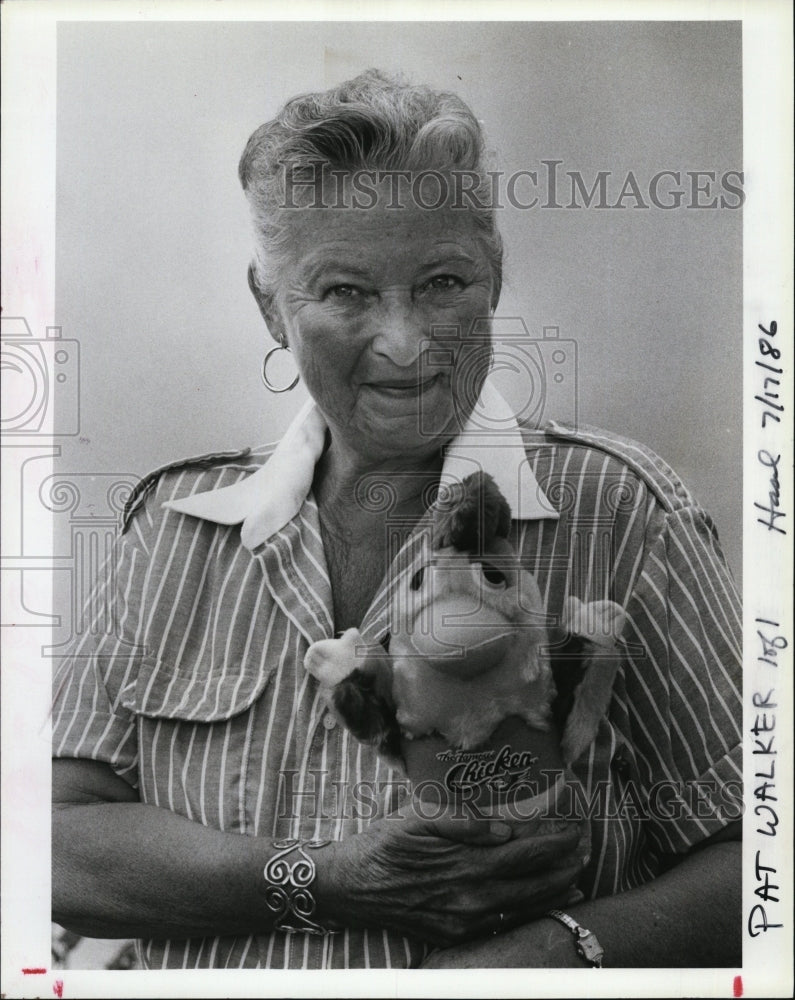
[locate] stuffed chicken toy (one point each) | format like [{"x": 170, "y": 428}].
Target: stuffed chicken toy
[{"x": 475, "y": 689}]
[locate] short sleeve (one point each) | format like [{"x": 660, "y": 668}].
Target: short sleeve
[
  {"x": 683, "y": 682},
  {"x": 87, "y": 717}
]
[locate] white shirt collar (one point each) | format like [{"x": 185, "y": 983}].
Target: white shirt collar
[{"x": 266, "y": 500}]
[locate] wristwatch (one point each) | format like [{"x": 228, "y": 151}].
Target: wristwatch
[{"x": 588, "y": 948}]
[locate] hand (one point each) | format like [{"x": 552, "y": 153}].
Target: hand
[
  {"x": 446, "y": 880},
  {"x": 540, "y": 944}
]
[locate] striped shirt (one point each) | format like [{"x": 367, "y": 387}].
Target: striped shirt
[{"x": 198, "y": 698}]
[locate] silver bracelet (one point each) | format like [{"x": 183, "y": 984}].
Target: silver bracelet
[
  {"x": 588, "y": 948},
  {"x": 288, "y": 887}
]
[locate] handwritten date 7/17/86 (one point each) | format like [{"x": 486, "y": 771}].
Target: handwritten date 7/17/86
[
  {"x": 769, "y": 361},
  {"x": 771, "y": 407}
]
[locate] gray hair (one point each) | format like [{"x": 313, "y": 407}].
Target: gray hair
[{"x": 373, "y": 122}]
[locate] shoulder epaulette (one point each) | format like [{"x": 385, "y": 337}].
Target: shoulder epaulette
[
  {"x": 656, "y": 474},
  {"x": 146, "y": 484}
]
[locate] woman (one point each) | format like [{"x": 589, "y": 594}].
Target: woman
[{"x": 205, "y": 800}]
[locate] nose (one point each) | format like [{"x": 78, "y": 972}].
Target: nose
[{"x": 400, "y": 329}]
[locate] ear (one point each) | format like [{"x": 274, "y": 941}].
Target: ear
[
  {"x": 356, "y": 680},
  {"x": 365, "y": 704},
  {"x": 600, "y": 621},
  {"x": 594, "y": 630},
  {"x": 591, "y": 700},
  {"x": 332, "y": 660},
  {"x": 268, "y": 309}
]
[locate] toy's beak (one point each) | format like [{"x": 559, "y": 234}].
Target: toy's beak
[{"x": 460, "y": 649}]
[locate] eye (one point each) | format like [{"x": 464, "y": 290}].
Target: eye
[
  {"x": 416, "y": 580},
  {"x": 342, "y": 291},
  {"x": 493, "y": 575},
  {"x": 443, "y": 283}
]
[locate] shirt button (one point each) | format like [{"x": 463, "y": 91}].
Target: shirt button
[
  {"x": 622, "y": 763},
  {"x": 329, "y": 721}
]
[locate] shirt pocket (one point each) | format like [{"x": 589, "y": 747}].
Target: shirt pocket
[
  {"x": 195, "y": 730},
  {"x": 209, "y": 690}
]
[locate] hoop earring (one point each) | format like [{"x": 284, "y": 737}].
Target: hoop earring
[{"x": 264, "y": 373}]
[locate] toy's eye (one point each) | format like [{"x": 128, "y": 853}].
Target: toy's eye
[
  {"x": 493, "y": 575},
  {"x": 416, "y": 580}
]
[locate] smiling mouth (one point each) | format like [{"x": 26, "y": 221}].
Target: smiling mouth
[{"x": 405, "y": 388}]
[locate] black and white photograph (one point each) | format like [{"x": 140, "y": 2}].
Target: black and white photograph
[{"x": 397, "y": 478}]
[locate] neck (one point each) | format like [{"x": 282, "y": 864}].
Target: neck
[{"x": 353, "y": 490}]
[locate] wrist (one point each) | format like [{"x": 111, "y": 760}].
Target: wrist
[
  {"x": 289, "y": 886},
  {"x": 330, "y": 882}
]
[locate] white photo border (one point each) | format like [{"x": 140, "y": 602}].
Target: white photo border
[{"x": 28, "y": 272}]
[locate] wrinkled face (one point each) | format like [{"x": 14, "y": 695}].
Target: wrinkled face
[{"x": 361, "y": 295}]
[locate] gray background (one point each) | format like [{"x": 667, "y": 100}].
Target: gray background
[{"x": 153, "y": 238}]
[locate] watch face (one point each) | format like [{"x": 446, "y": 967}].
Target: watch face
[
  {"x": 586, "y": 943},
  {"x": 588, "y": 947}
]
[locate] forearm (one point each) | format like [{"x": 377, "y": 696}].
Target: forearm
[
  {"x": 123, "y": 868},
  {"x": 133, "y": 870},
  {"x": 690, "y": 916}
]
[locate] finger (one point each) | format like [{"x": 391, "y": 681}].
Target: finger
[
  {"x": 557, "y": 897},
  {"x": 517, "y": 858},
  {"x": 495, "y": 905},
  {"x": 465, "y": 828},
  {"x": 499, "y": 906}
]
